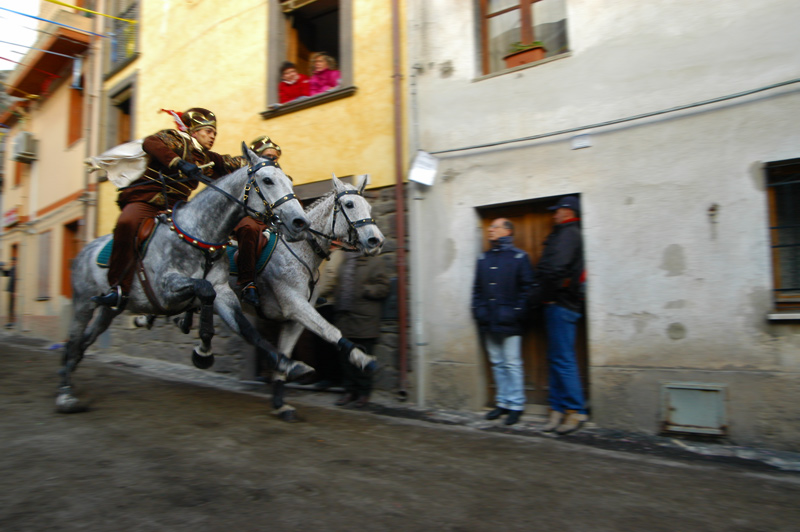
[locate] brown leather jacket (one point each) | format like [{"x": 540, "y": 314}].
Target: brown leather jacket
[{"x": 164, "y": 150}]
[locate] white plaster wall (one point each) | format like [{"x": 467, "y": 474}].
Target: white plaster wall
[{"x": 669, "y": 289}]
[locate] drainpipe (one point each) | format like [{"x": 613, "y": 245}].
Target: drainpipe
[{"x": 399, "y": 196}]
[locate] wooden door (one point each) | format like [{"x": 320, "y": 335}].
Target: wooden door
[
  {"x": 71, "y": 246},
  {"x": 532, "y": 223}
]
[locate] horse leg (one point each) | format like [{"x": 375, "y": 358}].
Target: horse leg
[
  {"x": 180, "y": 288},
  {"x": 79, "y": 340},
  {"x": 229, "y": 309},
  {"x": 202, "y": 357},
  {"x": 304, "y": 313},
  {"x": 185, "y": 323},
  {"x": 290, "y": 333}
]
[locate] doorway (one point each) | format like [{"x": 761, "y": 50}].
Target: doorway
[
  {"x": 71, "y": 245},
  {"x": 532, "y": 223}
]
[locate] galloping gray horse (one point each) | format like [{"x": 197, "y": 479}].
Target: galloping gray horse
[
  {"x": 286, "y": 282},
  {"x": 181, "y": 269}
]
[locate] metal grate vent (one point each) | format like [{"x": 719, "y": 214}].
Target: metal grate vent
[{"x": 690, "y": 407}]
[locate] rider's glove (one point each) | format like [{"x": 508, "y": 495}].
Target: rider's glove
[{"x": 189, "y": 169}]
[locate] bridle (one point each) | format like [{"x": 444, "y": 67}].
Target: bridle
[
  {"x": 269, "y": 208},
  {"x": 348, "y": 245},
  {"x": 352, "y": 225}
]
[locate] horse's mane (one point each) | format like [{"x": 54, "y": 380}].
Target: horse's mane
[{"x": 319, "y": 200}]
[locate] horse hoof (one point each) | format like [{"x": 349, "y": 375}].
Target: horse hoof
[
  {"x": 289, "y": 416},
  {"x": 202, "y": 362},
  {"x": 297, "y": 370},
  {"x": 69, "y": 404},
  {"x": 372, "y": 368}
]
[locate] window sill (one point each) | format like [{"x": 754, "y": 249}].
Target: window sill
[
  {"x": 317, "y": 99},
  {"x": 784, "y": 316},
  {"x": 523, "y": 67}
]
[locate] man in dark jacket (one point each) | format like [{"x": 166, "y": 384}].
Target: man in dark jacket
[
  {"x": 362, "y": 285},
  {"x": 503, "y": 281},
  {"x": 560, "y": 281}
]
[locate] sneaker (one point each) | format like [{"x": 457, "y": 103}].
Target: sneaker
[
  {"x": 573, "y": 421},
  {"x": 250, "y": 295},
  {"x": 554, "y": 421},
  {"x": 496, "y": 413},
  {"x": 513, "y": 417}
]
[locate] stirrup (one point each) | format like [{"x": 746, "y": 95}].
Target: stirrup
[
  {"x": 250, "y": 295},
  {"x": 114, "y": 299}
]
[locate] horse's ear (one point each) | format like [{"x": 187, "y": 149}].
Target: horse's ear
[
  {"x": 249, "y": 154},
  {"x": 363, "y": 184},
  {"x": 337, "y": 184}
]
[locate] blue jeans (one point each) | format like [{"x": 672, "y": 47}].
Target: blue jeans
[
  {"x": 566, "y": 391},
  {"x": 506, "y": 358}
]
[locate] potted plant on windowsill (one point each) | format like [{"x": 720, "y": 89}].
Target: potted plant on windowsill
[{"x": 520, "y": 53}]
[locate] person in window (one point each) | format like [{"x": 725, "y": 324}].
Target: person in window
[
  {"x": 293, "y": 84},
  {"x": 324, "y": 75},
  {"x": 177, "y": 154},
  {"x": 249, "y": 232}
]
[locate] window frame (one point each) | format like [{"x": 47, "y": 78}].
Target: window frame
[
  {"x": 526, "y": 31},
  {"x": 128, "y": 9},
  {"x": 772, "y": 182},
  {"x": 277, "y": 53}
]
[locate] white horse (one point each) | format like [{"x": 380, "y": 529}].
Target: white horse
[
  {"x": 181, "y": 270},
  {"x": 286, "y": 283}
]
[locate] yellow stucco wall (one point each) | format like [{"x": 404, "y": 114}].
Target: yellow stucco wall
[
  {"x": 214, "y": 55},
  {"x": 56, "y": 176}
]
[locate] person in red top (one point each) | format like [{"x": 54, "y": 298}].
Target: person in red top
[
  {"x": 177, "y": 155},
  {"x": 293, "y": 84}
]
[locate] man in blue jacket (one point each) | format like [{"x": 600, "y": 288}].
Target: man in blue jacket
[{"x": 503, "y": 282}]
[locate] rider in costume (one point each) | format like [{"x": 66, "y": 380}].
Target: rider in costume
[
  {"x": 249, "y": 230},
  {"x": 177, "y": 156}
]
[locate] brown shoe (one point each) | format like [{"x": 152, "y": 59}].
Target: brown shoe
[
  {"x": 346, "y": 399},
  {"x": 553, "y": 421},
  {"x": 572, "y": 422},
  {"x": 362, "y": 401}
]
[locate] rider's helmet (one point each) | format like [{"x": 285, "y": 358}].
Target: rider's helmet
[
  {"x": 198, "y": 118},
  {"x": 264, "y": 143}
]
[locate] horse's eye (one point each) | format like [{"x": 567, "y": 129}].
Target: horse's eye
[
  {"x": 267, "y": 181},
  {"x": 348, "y": 204}
]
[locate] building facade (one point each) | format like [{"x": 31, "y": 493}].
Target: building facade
[
  {"x": 47, "y": 195},
  {"x": 681, "y": 141}
]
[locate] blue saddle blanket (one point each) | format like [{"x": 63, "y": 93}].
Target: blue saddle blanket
[
  {"x": 263, "y": 257},
  {"x": 104, "y": 257}
]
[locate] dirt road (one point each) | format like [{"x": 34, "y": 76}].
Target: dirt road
[{"x": 154, "y": 455}]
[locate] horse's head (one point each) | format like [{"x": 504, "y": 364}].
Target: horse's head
[
  {"x": 269, "y": 191},
  {"x": 356, "y": 225}
]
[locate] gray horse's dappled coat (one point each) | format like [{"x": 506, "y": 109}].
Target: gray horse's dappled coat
[{"x": 177, "y": 270}]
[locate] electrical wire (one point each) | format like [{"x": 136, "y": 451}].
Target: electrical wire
[
  {"x": 40, "y": 50},
  {"x": 90, "y": 11},
  {"x": 623, "y": 120},
  {"x": 53, "y": 22}
]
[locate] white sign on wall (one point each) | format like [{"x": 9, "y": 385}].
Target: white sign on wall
[{"x": 424, "y": 168}]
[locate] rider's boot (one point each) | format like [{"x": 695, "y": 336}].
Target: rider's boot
[
  {"x": 115, "y": 298},
  {"x": 250, "y": 295}
]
